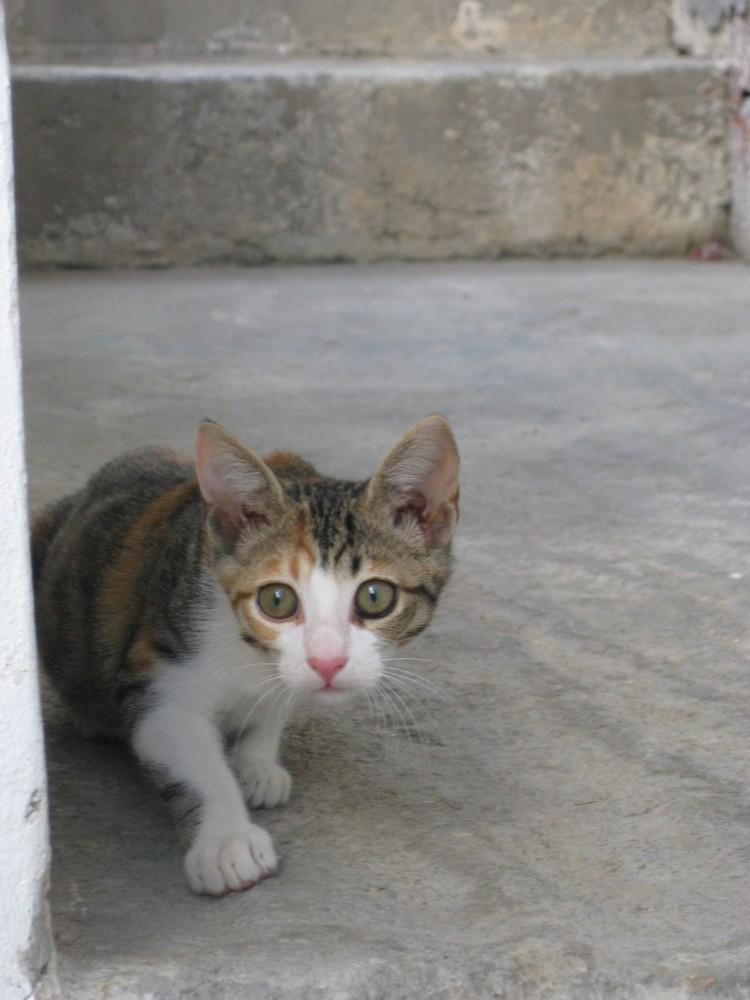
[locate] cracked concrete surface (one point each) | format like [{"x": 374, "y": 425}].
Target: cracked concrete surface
[{"x": 562, "y": 811}]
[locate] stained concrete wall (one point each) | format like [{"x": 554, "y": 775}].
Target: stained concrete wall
[
  {"x": 357, "y": 27},
  {"x": 24, "y": 853},
  {"x": 183, "y": 164}
]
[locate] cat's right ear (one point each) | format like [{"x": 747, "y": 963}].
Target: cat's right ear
[
  {"x": 417, "y": 482},
  {"x": 239, "y": 490}
]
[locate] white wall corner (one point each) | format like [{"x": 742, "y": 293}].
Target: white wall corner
[{"x": 26, "y": 952}]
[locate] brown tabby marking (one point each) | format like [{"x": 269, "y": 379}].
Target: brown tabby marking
[{"x": 119, "y": 613}]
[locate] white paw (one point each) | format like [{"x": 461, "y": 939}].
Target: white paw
[
  {"x": 264, "y": 782},
  {"x": 221, "y": 863}
]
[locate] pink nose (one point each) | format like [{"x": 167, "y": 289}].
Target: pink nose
[{"x": 327, "y": 668}]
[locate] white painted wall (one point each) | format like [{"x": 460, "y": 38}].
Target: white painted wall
[{"x": 24, "y": 841}]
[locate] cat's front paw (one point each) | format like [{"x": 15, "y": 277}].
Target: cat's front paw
[
  {"x": 264, "y": 782},
  {"x": 230, "y": 862}
]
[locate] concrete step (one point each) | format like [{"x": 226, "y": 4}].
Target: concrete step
[
  {"x": 66, "y": 28},
  {"x": 161, "y": 163}
]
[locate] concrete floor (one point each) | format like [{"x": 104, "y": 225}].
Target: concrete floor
[{"x": 566, "y": 816}]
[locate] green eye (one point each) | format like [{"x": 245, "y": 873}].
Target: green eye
[
  {"x": 375, "y": 598},
  {"x": 277, "y": 601}
]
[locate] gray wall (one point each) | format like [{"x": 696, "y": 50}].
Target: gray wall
[{"x": 541, "y": 27}]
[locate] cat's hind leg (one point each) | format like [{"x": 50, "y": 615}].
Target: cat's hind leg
[{"x": 184, "y": 750}]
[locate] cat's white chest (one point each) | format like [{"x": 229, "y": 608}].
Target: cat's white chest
[{"x": 224, "y": 679}]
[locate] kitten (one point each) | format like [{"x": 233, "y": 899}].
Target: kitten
[{"x": 189, "y": 608}]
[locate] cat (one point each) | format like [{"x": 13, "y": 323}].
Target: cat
[{"x": 188, "y": 608}]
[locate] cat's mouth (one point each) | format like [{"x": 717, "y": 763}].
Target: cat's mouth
[
  {"x": 329, "y": 689},
  {"x": 331, "y": 694}
]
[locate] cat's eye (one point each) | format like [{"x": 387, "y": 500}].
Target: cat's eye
[
  {"x": 375, "y": 598},
  {"x": 278, "y": 601}
]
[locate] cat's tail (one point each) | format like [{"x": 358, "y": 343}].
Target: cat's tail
[{"x": 44, "y": 527}]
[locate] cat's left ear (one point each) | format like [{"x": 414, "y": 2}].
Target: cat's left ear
[
  {"x": 418, "y": 481},
  {"x": 238, "y": 488}
]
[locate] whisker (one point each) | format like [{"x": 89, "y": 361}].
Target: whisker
[
  {"x": 407, "y": 727},
  {"x": 418, "y": 681},
  {"x": 415, "y": 680},
  {"x": 274, "y": 687},
  {"x": 406, "y": 715},
  {"x": 375, "y": 709},
  {"x": 389, "y": 661},
  {"x": 376, "y": 703},
  {"x": 399, "y": 709},
  {"x": 288, "y": 700},
  {"x": 416, "y": 659}
]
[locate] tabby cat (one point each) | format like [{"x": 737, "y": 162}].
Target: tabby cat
[{"x": 189, "y": 608}]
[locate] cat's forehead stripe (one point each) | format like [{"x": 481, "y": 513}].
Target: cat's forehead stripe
[
  {"x": 332, "y": 524},
  {"x": 302, "y": 544}
]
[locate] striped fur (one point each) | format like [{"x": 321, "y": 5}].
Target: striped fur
[{"x": 149, "y": 585}]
